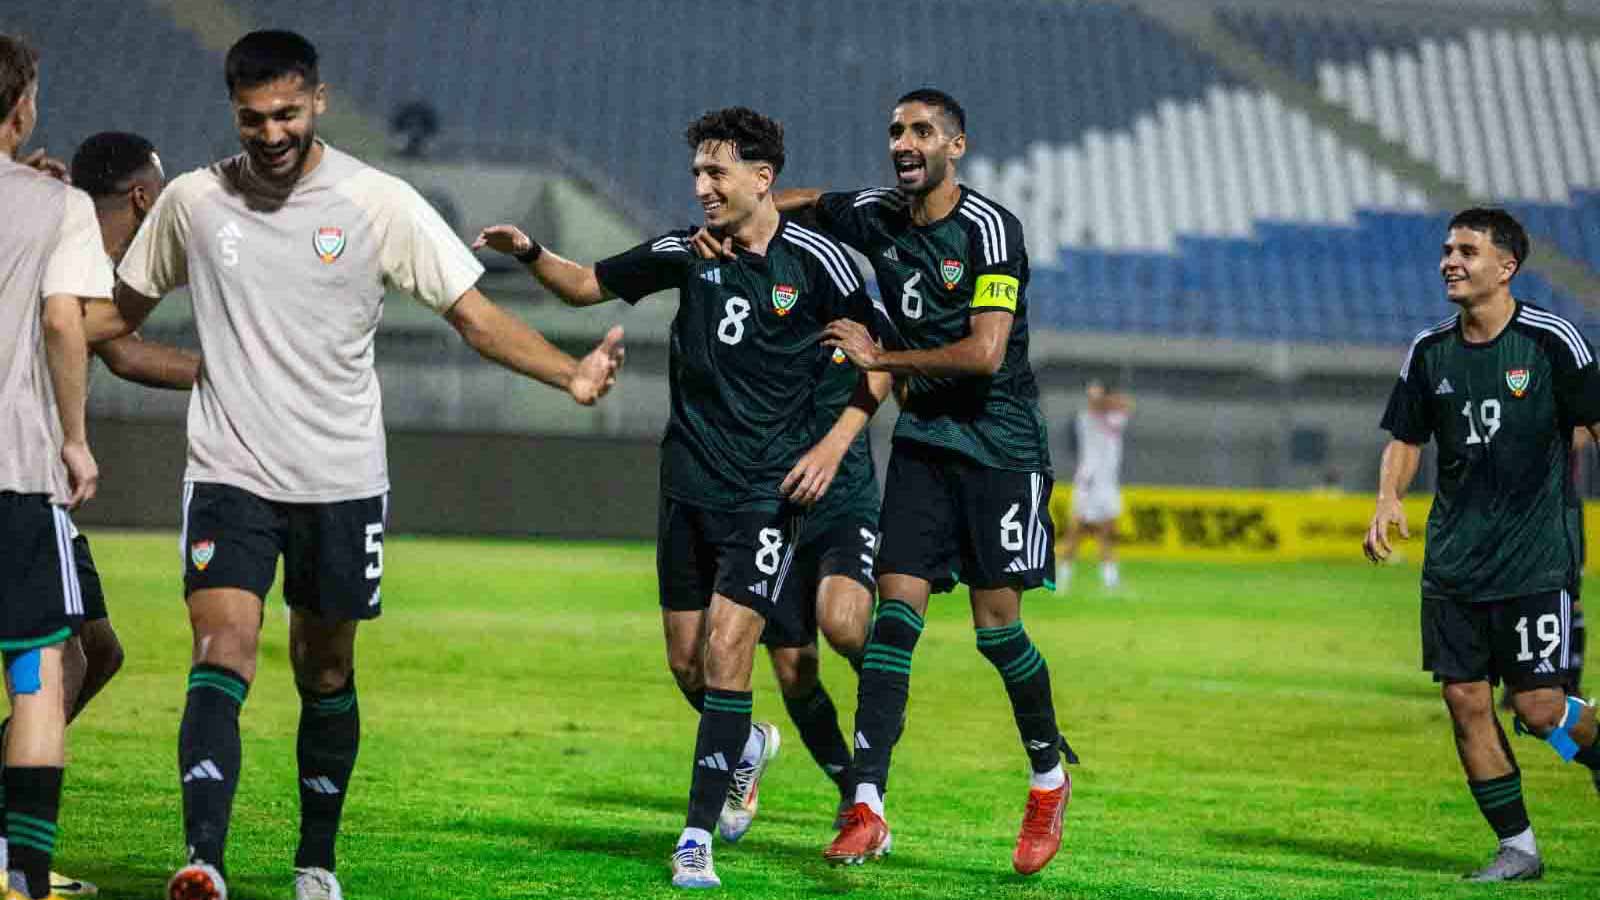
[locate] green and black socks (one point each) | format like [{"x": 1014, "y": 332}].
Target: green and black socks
[
  {"x": 1027, "y": 680},
  {"x": 330, "y": 736},
  {"x": 33, "y": 801},
  {"x": 724, "y": 728},
  {"x": 884, "y": 689},
  {"x": 209, "y": 758}
]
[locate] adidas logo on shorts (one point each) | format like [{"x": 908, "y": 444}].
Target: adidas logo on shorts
[{"x": 1544, "y": 667}]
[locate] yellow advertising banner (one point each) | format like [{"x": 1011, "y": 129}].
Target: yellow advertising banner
[{"x": 1238, "y": 525}]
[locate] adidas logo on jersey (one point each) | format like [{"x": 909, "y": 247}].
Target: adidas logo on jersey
[
  {"x": 1444, "y": 388},
  {"x": 712, "y": 275},
  {"x": 320, "y": 785},
  {"x": 714, "y": 761},
  {"x": 892, "y": 253},
  {"x": 760, "y": 589},
  {"x": 1544, "y": 667},
  {"x": 861, "y": 742},
  {"x": 206, "y": 770}
]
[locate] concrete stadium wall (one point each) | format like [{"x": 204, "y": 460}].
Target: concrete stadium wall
[{"x": 480, "y": 484}]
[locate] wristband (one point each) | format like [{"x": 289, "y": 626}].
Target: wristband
[{"x": 527, "y": 256}]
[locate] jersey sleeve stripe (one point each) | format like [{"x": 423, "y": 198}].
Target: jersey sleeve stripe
[
  {"x": 882, "y": 196},
  {"x": 1563, "y": 329},
  {"x": 1002, "y": 241},
  {"x": 984, "y": 233},
  {"x": 839, "y": 268},
  {"x": 670, "y": 245},
  {"x": 1424, "y": 334}
]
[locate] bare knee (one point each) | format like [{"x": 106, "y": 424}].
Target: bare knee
[
  {"x": 1541, "y": 711},
  {"x": 844, "y": 614},
  {"x": 686, "y": 667},
  {"x": 323, "y": 653},
  {"x": 102, "y": 650},
  {"x": 1470, "y": 703},
  {"x": 796, "y": 669}
]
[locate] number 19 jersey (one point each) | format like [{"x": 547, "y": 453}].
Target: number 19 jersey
[
  {"x": 1506, "y": 520},
  {"x": 745, "y": 358}
]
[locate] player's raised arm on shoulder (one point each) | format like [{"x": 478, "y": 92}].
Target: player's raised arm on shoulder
[
  {"x": 793, "y": 200},
  {"x": 575, "y": 284},
  {"x": 503, "y": 338},
  {"x": 132, "y": 358}
]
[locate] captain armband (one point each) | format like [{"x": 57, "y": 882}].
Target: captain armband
[{"x": 996, "y": 292}]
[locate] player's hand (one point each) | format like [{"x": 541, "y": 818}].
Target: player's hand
[
  {"x": 853, "y": 338},
  {"x": 1389, "y": 514},
  {"x": 49, "y": 165},
  {"x": 83, "y": 475},
  {"x": 708, "y": 246},
  {"x": 507, "y": 239},
  {"x": 597, "y": 372},
  {"x": 811, "y": 477}
]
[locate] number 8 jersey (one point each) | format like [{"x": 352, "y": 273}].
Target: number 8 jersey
[
  {"x": 745, "y": 356},
  {"x": 1506, "y": 520}
]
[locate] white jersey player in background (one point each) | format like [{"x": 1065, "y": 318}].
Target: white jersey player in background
[{"x": 1097, "y": 484}]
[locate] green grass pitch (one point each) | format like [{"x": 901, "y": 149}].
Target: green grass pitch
[{"x": 1246, "y": 731}]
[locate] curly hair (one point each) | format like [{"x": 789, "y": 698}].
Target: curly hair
[{"x": 754, "y": 137}]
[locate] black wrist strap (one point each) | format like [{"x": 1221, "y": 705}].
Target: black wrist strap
[{"x": 527, "y": 256}]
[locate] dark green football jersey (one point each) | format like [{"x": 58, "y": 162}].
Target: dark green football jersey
[
  {"x": 933, "y": 279},
  {"x": 1506, "y": 520},
  {"x": 744, "y": 357},
  {"x": 853, "y": 496}
]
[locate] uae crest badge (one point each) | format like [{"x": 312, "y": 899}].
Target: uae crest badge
[
  {"x": 783, "y": 298},
  {"x": 951, "y": 269},
  {"x": 329, "y": 243},
  {"x": 1517, "y": 380},
  {"x": 200, "y": 553}
]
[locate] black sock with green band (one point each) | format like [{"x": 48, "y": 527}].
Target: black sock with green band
[{"x": 209, "y": 758}]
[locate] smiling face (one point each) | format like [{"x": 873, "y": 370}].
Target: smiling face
[
  {"x": 922, "y": 146},
  {"x": 729, "y": 188},
  {"x": 1473, "y": 267},
  {"x": 277, "y": 124}
]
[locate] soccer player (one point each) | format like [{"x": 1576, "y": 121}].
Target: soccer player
[
  {"x": 50, "y": 262},
  {"x": 286, "y": 249},
  {"x": 1097, "y": 484},
  {"x": 969, "y": 479},
  {"x": 1499, "y": 386},
  {"x": 742, "y": 454}
]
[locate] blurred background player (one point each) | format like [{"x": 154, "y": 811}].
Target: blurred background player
[
  {"x": 51, "y": 261},
  {"x": 287, "y": 248},
  {"x": 1097, "y": 483},
  {"x": 1499, "y": 387},
  {"x": 742, "y": 455}
]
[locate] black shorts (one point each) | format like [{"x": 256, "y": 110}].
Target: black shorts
[
  {"x": 848, "y": 549},
  {"x": 332, "y": 552},
  {"x": 94, "y": 596},
  {"x": 947, "y": 519},
  {"x": 1524, "y": 641},
  {"x": 744, "y": 555},
  {"x": 40, "y": 603}
]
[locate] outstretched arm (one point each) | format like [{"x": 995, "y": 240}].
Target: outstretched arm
[
  {"x": 575, "y": 284},
  {"x": 979, "y": 353},
  {"x": 499, "y": 336},
  {"x": 132, "y": 358},
  {"x": 1395, "y": 474}
]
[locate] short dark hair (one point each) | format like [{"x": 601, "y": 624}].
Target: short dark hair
[
  {"x": 19, "y": 68},
  {"x": 1503, "y": 229},
  {"x": 106, "y": 162},
  {"x": 262, "y": 57},
  {"x": 941, "y": 101},
  {"x": 754, "y": 137}
]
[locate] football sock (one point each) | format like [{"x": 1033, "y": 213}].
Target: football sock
[
  {"x": 330, "y": 736},
  {"x": 696, "y": 698},
  {"x": 698, "y": 835},
  {"x": 884, "y": 688},
  {"x": 724, "y": 729},
  {"x": 868, "y": 794},
  {"x": 1027, "y": 681},
  {"x": 1522, "y": 840},
  {"x": 1500, "y": 801},
  {"x": 33, "y": 799},
  {"x": 209, "y": 758},
  {"x": 818, "y": 722},
  {"x": 1048, "y": 781}
]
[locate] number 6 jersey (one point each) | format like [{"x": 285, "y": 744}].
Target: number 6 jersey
[
  {"x": 1506, "y": 520},
  {"x": 745, "y": 357}
]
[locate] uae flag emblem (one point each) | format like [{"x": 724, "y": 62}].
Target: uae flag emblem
[
  {"x": 329, "y": 243},
  {"x": 783, "y": 298},
  {"x": 1517, "y": 380},
  {"x": 951, "y": 269}
]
